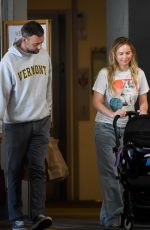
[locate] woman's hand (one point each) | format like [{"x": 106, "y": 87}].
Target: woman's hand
[
  {"x": 120, "y": 112},
  {"x": 142, "y": 112}
]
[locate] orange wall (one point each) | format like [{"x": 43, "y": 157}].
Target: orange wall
[{"x": 96, "y": 37}]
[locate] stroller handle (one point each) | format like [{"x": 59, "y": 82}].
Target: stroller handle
[{"x": 128, "y": 113}]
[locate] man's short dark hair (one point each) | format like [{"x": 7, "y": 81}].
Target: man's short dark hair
[{"x": 32, "y": 28}]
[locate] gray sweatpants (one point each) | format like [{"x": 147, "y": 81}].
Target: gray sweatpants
[
  {"x": 112, "y": 196},
  {"x": 26, "y": 141}
]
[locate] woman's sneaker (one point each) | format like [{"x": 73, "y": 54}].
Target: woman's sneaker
[
  {"x": 41, "y": 222},
  {"x": 19, "y": 225},
  {"x": 116, "y": 222}
]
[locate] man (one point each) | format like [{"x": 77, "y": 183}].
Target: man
[{"x": 25, "y": 109}]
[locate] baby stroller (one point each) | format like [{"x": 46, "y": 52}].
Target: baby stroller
[{"x": 133, "y": 162}]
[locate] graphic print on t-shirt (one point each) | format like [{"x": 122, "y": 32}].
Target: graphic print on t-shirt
[{"x": 123, "y": 94}]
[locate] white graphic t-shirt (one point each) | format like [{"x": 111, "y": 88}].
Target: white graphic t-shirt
[{"x": 123, "y": 95}]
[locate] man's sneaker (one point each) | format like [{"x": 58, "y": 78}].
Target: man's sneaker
[
  {"x": 19, "y": 225},
  {"x": 41, "y": 222}
]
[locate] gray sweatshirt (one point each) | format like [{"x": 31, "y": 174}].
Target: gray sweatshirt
[{"x": 25, "y": 86}]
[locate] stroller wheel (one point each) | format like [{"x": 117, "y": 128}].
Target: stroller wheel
[{"x": 128, "y": 224}]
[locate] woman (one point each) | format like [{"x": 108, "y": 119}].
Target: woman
[{"x": 116, "y": 91}]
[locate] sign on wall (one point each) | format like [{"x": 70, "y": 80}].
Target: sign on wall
[{"x": 12, "y": 32}]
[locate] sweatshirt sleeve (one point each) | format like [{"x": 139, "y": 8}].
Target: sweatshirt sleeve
[
  {"x": 1, "y": 126},
  {"x": 49, "y": 87},
  {"x": 5, "y": 88}
]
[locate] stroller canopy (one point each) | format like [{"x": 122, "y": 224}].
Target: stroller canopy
[{"x": 137, "y": 131}]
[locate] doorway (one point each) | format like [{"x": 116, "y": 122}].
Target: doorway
[{"x": 57, "y": 190}]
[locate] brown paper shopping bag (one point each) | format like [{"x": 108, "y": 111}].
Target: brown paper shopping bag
[{"x": 57, "y": 168}]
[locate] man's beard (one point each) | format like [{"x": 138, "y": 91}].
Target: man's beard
[{"x": 32, "y": 51}]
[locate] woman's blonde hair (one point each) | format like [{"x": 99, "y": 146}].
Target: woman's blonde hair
[{"x": 113, "y": 64}]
